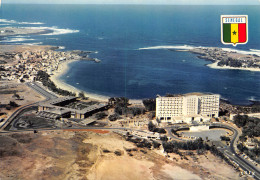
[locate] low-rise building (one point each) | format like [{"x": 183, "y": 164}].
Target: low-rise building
[{"x": 59, "y": 107}]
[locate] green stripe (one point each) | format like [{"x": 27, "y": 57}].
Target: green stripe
[{"x": 227, "y": 33}]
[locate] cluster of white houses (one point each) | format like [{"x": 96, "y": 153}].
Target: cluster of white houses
[
  {"x": 187, "y": 108},
  {"x": 30, "y": 62}
]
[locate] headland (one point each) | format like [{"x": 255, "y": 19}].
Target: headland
[
  {"x": 228, "y": 59},
  {"x": 14, "y": 31}
]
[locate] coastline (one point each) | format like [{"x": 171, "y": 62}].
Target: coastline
[
  {"x": 62, "y": 69},
  {"x": 215, "y": 66}
]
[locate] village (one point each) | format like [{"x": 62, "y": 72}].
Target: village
[{"x": 26, "y": 64}]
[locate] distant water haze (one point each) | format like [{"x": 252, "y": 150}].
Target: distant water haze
[{"x": 133, "y": 41}]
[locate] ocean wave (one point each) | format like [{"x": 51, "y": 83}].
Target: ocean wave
[
  {"x": 53, "y": 38},
  {"x": 16, "y": 22},
  {"x": 16, "y": 39},
  {"x": 187, "y": 47},
  {"x": 7, "y": 21},
  {"x": 32, "y": 23},
  {"x": 4, "y": 24},
  {"x": 181, "y": 47},
  {"x": 255, "y": 50},
  {"x": 56, "y": 31},
  {"x": 29, "y": 44},
  {"x": 62, "y": 47},
  {"x": 252, "y": 98},
  {"x": 20, "y": 36},
  {"x": 250, "y": 52}
]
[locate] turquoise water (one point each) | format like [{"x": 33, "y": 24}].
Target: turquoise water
[{"x": 117, "y": 32}]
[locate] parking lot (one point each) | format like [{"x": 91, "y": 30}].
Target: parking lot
[{"x": 213, "y": 135}]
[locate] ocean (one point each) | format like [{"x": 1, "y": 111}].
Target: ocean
[{"x": 132, "y": 41}]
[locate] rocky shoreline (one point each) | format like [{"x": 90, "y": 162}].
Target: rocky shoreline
[
  {"x": 223, "y": 59},
  {"x": 14, "y": 31}
]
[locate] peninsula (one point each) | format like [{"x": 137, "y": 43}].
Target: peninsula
[
  {"x": 14, "y": 31},
  {"x": 224, "y": 59}
]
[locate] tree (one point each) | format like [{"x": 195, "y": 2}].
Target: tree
[
  {"x": 82, "y": 95},
  {"x": 151, "y": 115},
  {"x": 151, "y": 126},
  {"x": 164, "y": 138},
  {"x": 100, "y": 115},
  {"x": 156, "y": 144},
  {"x": 240, "y": 120},
  {"x": 114, "y": 117},
  {"x": 150, "y": 104},
  {"x": 13, "y": 104},
  {"x": 16, "y": 96}
]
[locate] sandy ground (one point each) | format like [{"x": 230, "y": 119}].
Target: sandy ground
[
  {"x": 91, "y": 155},
  {"x": 7, "y": 89},
  {"x": 21, "y": 48}
]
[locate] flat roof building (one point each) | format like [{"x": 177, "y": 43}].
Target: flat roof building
[
  {"x": 187, "y": 108},
  {"x": 60, "y": 107}
]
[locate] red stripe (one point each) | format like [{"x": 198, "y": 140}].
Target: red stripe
[{"x": 242, "y": 32}]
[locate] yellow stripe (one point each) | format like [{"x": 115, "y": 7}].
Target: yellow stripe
[{"x": 234, "y": 33}]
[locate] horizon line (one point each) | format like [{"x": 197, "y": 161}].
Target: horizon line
[{"x": 133, "y": 4}]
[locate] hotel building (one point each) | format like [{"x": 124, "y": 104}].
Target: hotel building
[{"x": 187, "y": 108}]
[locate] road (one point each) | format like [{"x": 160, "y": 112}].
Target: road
[
  {"x": 38, "y": 88},
  {"x": 229, "y": 151}
]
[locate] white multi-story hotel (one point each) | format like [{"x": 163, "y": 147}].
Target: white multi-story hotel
[{"x": 187, "y": 108}]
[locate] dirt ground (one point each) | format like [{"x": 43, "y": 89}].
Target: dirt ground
[
  {"x": 7, "y": 90},
  {"x": 93, "y": 155}
]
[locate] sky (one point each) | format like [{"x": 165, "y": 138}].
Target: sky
[{"x": 175, "y": 2}]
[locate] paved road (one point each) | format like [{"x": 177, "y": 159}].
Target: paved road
[
  {"x": 35, "y": 86},
  {"x": 38, "y": 88},
  {"x": 230, "y": 150}
]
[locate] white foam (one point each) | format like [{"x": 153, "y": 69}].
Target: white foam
[
  {"x": 29, "y": 44},
  {"x": 4, "y": 24},
  {"x": 62, "y": 47},
  {"x": 56, "y": 31},
  {"x": 251, "y": 52},
  {"x": 254, "y": 50},
  {"x": 7, "y": 21},
  {"x": 183, "y": 47},
  {"x": 252, "y": 98},
  {"x": 20, "y": 36},
  {"x": 187, "y": 47},
  {"x": 53, "y": 38},
  {"x": 33, "y": 23},
  {"x": 15, "y": 22},
  {"x": 17, "y": 39}
]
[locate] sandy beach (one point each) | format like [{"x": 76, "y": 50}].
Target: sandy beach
[
  {"x": 62, "y": 69},
  {"x": 215, "y": 66}
]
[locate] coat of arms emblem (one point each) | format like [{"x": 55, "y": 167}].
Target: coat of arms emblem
[{"x": 234, "y": 29}]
